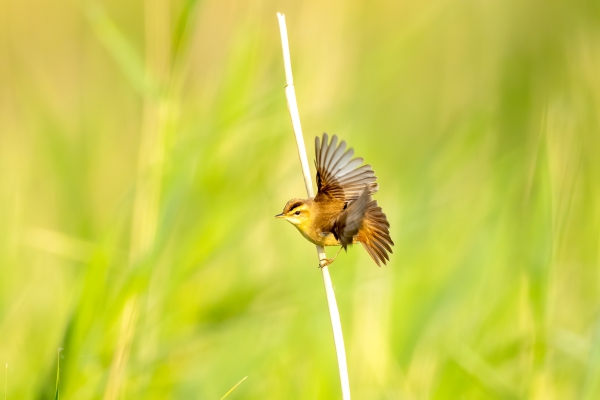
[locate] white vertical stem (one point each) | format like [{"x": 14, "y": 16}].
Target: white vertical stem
[{"x": 334, "y": 314}]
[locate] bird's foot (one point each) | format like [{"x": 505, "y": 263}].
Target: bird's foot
[{"x": 326, "y": 261}]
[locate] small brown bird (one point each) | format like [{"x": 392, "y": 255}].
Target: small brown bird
[{"x": 343, "y": 211}]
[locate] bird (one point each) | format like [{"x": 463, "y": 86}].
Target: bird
[{"x": 343, "y": 211}]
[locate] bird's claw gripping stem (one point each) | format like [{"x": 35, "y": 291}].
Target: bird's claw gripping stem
[{"x": 326, "y": 261}]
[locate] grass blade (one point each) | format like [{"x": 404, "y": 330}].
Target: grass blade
[{"x": 233, "y": 388}]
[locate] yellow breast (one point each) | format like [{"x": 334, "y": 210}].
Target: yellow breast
[{"x": 317, "y": 237}]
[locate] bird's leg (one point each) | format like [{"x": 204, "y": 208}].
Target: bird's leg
[{"x": 328, "y": 261}]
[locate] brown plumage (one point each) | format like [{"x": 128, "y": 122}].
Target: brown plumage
[{"x": 343, "y": 211}]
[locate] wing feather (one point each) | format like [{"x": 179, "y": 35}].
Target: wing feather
[
  {"x": 375, "y": 234},
  {"x": 348, "y": 223},
  {"x": 337, "y": 156},
  {"x": 351, "y": 165},
  {"x": 339, "y": 176},
  {"x": 346, "y": 157},
  {"x": 331, "y": 152}
]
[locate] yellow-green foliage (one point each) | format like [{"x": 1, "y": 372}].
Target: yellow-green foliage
[{"x": 145, "y": 147}]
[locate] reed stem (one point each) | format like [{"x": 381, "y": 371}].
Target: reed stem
[{"x": 334, "y": 314}]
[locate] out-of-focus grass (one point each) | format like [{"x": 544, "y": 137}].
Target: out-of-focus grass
[{"x": 144, "y": 152}]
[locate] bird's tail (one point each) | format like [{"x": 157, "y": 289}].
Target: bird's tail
[{"x": 374, "y": 234}]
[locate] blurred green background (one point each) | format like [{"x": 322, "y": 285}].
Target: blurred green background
[{"x": 146, "y": 146}]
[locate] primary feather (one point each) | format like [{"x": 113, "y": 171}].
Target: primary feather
[{"x": 338, "y": 174}]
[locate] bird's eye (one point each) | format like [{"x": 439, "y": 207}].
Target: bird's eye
[{"x": 297, "y": 213}]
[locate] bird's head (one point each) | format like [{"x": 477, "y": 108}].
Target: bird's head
[{"x": 296, "y": 212}]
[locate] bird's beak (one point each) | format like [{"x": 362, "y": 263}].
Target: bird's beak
[{"x": 280, "y": 216}]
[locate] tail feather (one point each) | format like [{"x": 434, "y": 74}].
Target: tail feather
[
  {"x": 374, "y": 234},
  {"x": 382, "y": 240}
]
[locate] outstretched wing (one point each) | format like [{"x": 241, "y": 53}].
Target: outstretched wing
[
  {"x": 348, "y": 223},
  {"x": 340, "y": 176}
]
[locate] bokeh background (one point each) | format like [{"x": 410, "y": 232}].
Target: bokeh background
[{"x": 146, "y": 146}]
